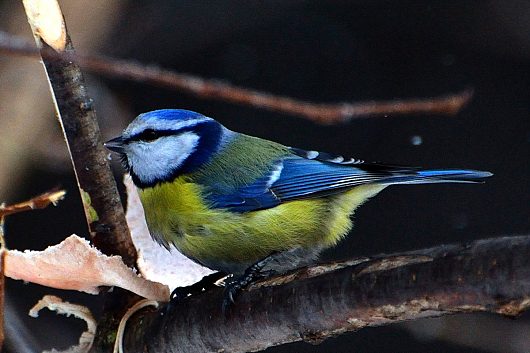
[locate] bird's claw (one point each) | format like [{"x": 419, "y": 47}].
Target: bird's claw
[
  {"x": 232, "y": 290},
  {"x": 179, "y": 294},
  {"x": 234, "y": 287},
  {"x": 207, "y": 282}
]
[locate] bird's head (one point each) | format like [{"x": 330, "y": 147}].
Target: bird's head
[{"x": 160, "y": 145}]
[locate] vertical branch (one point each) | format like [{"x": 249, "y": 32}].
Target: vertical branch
[{"x": 75, "y": 111}]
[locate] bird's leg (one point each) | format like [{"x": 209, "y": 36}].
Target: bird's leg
[
  {"x": 207, "y": 282},
  {"x": 252, "y": 274},
  {"x": 275, "y": 263}
]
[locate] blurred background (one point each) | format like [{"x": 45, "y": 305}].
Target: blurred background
[{"x": 320, "y": 51}]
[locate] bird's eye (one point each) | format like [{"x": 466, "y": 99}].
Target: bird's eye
[{"x": 148, "y": 135}]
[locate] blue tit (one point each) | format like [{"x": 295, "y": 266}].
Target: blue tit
[{"x": 227, "y": 200}]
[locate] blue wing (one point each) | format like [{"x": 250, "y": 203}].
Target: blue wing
[{"x": 309, "y": 174}]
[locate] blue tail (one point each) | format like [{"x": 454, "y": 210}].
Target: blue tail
[{"x": 438, "y": 176}]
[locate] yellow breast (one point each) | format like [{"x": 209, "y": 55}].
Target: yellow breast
[{"x": 178, "y": 215}]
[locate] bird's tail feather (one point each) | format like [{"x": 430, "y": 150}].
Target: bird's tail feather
[{"x": 438, "y": 176}]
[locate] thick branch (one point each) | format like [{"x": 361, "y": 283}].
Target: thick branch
[
  {"x": 312, "y": 304},
  {"x": 323, "y": 113},
  {"x": 75, "y": 110}
]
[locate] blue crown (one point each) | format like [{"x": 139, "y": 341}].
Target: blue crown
[{"x": 172, "y": 114}]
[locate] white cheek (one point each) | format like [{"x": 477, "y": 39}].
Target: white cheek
[{"x": 158, "y": 159}]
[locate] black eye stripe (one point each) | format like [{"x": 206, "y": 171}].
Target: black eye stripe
[
  {"x": 148, "y": 134},
  {"x": 151, "y": 135}
]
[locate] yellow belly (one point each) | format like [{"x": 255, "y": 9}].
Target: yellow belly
[{"x": 177, "y": 215}]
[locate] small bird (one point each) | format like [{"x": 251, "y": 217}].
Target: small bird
[{"x": 247, "y": 206}]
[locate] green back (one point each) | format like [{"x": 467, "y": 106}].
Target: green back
[{"x": 240, "y": 162}]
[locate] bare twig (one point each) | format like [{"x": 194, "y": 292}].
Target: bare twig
[
  {"x": 491, "y": 275},
  {"x": 38, "y": 202},
  {"x": 77, "y": 116},
  {"x": 212, "y": 89}
]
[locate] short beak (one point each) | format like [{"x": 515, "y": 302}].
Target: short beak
[{"x": 115, "y": 145}]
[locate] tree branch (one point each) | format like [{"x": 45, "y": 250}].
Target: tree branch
[
  {"x": 213, "y": 89},
  {"x": 312, "y": 304},
  {"x": 103, "y": 209},
  {"x": 75, "y": 110},
  {"x": 41, "y": 201}
]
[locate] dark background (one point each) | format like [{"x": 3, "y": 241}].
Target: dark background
[{"x": 329, "y": 51}]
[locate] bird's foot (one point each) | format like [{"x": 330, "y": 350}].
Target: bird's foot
[
  {"x": 252, "y": 274},
  {"x": 206, "y": 283}
]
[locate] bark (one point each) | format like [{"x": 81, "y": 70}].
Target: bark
[
  {"x": 312, "y": 304},
  {"x": 76, "y": 113},
  {"x": 75, "y": 110}
]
